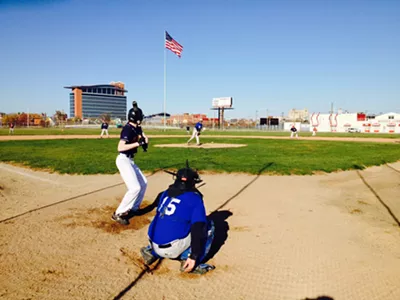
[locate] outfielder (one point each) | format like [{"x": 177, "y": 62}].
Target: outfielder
[
  {"x": 196, "y": 132},
  {"x": 180, "y": 229},
  {"x": 104, "y": 129},
  {"x": 135, "y": 181},
  {"x": 294, "y": 132}
]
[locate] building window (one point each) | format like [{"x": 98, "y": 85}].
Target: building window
[
  {"x": 89, "y": 90},
  {"x": 391, "y": 117},
  {"x": 104, "y": 91}
]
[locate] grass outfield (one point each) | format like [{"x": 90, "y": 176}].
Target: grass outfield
[
  {"x": 270, "y": 156},
  {"x": 91, "y": 131}
]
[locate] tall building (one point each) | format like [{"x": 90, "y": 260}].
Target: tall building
[{"x": 91, "y": 101}]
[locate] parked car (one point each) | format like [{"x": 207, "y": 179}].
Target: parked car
[{"x": 353, "y": 130}]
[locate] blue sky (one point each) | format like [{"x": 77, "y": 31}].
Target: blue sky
[{"x": 274, "y": 55}]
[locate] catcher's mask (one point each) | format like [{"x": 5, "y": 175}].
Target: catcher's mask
[{"x": 186, "y": 178}]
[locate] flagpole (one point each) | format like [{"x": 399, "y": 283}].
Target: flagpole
[{"x": 165, "y": 84}]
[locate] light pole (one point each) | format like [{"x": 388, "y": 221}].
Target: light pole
[{"x": 256, "y": 118}]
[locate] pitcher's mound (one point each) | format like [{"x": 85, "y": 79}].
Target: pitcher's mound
[{"x": 207, "y": 145}]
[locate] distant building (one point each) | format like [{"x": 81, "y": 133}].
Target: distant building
[
  {"x": 385, "y": 123},
  {"x": 91, "y": 101},
  {"x": 189, "y": 119},
  {"x": 298, "y": 114}
]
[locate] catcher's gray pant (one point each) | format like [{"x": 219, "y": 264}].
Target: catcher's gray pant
[
  {"x": 175, "y": 249},
  {"x": 195, "y": 135},
  {"x": 294, "y": 134},
  {"x": 135, "y": 181}
]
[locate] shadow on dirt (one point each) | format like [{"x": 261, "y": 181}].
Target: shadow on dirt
[
  {"x": 319, "y": 298},
  {"x": 221, "y": 231}
]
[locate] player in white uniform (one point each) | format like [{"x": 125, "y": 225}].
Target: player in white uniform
[
  {"x": 196, "y": 132},
  {"x": 135, "y": 181}
]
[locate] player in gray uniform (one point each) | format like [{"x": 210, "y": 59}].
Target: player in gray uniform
[
  {"x": 135, "y": 181},
  {"x": 180, "y": 229}
]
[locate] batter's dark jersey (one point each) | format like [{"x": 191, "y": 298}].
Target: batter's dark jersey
[{"x": 129, "y": 134}]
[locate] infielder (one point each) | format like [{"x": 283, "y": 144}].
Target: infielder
[
  {"x": 196, "y": 132},
  {"x": 104, "y": 129},
  {"x": 11, "y": 131},
  {"x": 180, "y": 229},
  {"x": 314, "y": 133},
  {"x": 294, "y": 132},
  {"x": 135, "y": 181}
]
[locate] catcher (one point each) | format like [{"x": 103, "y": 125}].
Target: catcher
[
  {"x": 180, "y": 229},
  {"x": 196, "y": 132}
]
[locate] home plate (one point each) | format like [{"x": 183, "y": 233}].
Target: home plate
[{"x": 206, "y": 145}]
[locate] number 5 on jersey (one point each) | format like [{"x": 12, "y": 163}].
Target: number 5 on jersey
[{"x": 171, "y": 207}]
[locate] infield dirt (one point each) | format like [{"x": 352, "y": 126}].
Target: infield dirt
[{"x": 278, "y": 237}]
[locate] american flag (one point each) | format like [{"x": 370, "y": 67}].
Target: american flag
[{"x": 173, "y": 45}]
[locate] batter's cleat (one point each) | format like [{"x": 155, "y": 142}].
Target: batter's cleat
[
  {"x": 120, "y": 219},
  {"x": 199, "y": 144},
  {"x": 148, "y": 257}
]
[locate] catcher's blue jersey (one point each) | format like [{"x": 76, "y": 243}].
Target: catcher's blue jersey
[{"x": 175, "y": 217}]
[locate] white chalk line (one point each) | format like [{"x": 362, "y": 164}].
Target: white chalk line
[{"x": 9, "y": 169}]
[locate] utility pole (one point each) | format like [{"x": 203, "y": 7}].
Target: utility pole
[{"x": 256, "y": 118}]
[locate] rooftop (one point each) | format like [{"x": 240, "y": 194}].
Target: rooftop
[{"x": 96, "y": 86}]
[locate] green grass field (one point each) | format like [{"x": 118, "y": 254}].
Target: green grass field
[
  {"x": 95, "y": 156},
  {"x": 89, "y": 131}
]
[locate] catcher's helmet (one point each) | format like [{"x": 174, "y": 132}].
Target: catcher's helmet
[{"x": 186, "y": 178}]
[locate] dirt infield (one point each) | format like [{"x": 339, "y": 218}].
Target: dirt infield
[
  {"x": 278, "y": 237},
  {"x": 307, "y": 138},
  {"x": 211, "y": 145}
]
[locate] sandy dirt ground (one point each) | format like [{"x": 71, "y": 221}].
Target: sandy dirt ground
[
  {"x": 277, "y": 237},
  {"x": 211, "y": 145},
  {"x": 316, "y": 138}
]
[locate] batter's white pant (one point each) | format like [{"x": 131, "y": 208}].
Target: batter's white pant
[
  {"x": 314, "y": 133},
  {"x": 195, "y": 135},
  {"x": 293, "y": 134},
  {"x": 104, "y": 131},
  {"x": 135, "y": 181}
]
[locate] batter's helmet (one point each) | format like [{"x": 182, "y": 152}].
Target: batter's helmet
[{"x": 133, "y": 116}]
